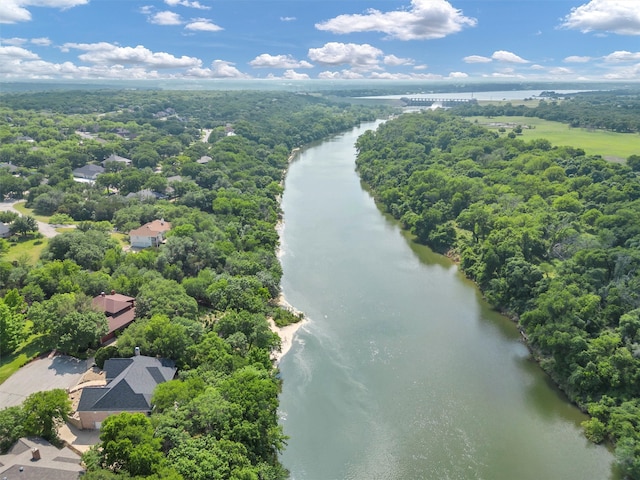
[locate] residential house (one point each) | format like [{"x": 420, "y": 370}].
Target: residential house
[
  {"x": 5, "y": 231},
  {"x": 116, "y": 158},
  {"x": 130, "y": 385},
  {"x": 9, "y": 166},
  {"x": 88, "y": 172},
  {"x": 119, "y": 309},
  {"x": 204, "y": 160},
  {"x": 145, "y": 195},
  {"x": 36, "y": 459},
  {"x": 150, "y": 234}
]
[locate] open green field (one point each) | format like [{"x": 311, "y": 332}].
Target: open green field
[
  {"x": 26, "y": 248},
  {"x": 611, "y": 145}
]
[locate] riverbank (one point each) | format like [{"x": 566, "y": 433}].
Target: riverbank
[{"x": 286, "y": 333}]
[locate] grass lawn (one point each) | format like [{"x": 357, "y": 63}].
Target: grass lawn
[
  {"x": 30, "y": 349},
  {"x": 122, "y": 238},
  {"x": 30, "y": 248},
  {"x": 29, "y": 211},
  {"x": 611, "y": 145}
]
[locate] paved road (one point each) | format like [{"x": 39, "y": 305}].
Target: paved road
[
  {"x": 44, "y": 228},
  {"x": 42, "y": 374}
]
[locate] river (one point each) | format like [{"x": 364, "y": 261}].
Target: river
[{"x": 403, "y": 372}]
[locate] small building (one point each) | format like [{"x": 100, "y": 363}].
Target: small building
[
  {"x": 150, "y": 234},
  {"x": 204, "y": 159},
  {"x": 130, "y": 385},
  {"x": 88, "y": 172},
  {"x": 146, "y": 195},
  {"x": 5, "y": 231},
  {"x": 117, "y": 159},
  {"x": 119, "y": 309},
  {"x": 34, "y": 458}
]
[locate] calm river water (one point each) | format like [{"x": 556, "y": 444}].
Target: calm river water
[{"x": 403, "y": 372}]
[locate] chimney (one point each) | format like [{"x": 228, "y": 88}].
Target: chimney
[
  {"x": 35, "y": 454},
  {"x": 102, "y": 294},
  {"x": 113, "y": 292},
  {"x": 136, "y": 351}
]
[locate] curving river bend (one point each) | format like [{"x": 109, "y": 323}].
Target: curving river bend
[{"x": 403, "y": 372}]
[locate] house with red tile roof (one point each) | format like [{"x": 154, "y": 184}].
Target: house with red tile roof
[
  {"x": 150, "y": 234},
  {"x": 119, "y": 309}
]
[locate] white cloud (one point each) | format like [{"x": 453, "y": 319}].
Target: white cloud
[
  {"x": 219, "y": 69},
  {"x": 187, "y": 3},
  {"x": 343, "y": 75},
  {"x": 288, "y": 19},
  {"x": 361, "y": 57},
  {"x": 278, "y": 61},
  {"x": 166, "y": 18},
  {"x": 507, "y": 57},
  {"x": 293, "y": 75},
  {"x": 537, "y": 67},
  {"x": 108, "y": 54},
  {"x": 421, "y": 67},
  {"x": 616, "y": 16},
  {"x": 202, "y": 25},
  {"x": 42, "y": 41},
  {"x": 577, "y": 59},
  {"x": 476, "y": 59},
  {"x": 423, "y": 20},
  {"x": 622, "y": 56},
  {"x": 14, "y": 41},
  {"x": 396, "y": 61},
  {"x": 13, "y": 11},
  {"x": 458, "y": 75},
  {"x": 561, "y": 71},
  {"x": 13, "y": 52},
  {"x": 626, "y": 73},
  {"x": 146, "y": 9}
]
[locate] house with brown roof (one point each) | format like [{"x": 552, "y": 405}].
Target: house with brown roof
[
  {"x": 34, "y": 458},
  {"x": 129, "y": 388},
  {"x": 150, "y": 234},
  {"x": 119, "y": 309}
]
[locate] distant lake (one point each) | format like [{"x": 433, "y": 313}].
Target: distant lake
[{"x": 485, "y": 96}]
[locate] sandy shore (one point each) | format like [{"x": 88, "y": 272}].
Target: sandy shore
[{"x": 286, "y": 333}]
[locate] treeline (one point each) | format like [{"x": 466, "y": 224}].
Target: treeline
[
  {"x": 551, "y": 237},
  {"x": 614, "y": 111},
  {"x": 202, "y": 298}
]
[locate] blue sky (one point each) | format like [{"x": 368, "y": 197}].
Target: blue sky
[{"x": 516, "y": 40}]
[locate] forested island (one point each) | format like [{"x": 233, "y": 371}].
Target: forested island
[
  {"x": 549, "y": 233},
  {"x": 210, "y": 166}
]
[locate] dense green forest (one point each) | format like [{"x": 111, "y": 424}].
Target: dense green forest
[
  {"x": 616, "y": 111},
  {"x": 551, "y": 237},
  {"x": 202, "y": 298}
]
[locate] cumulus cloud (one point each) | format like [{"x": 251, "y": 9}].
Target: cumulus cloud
[
  {"x": 104, "y": 53},
  {"x": 13, "y": 11},
  {"x": 476, "y": 59},
  {"x": 507, "y": 57},
  {"x": 560, "y": 71},
  {"x": 13, "y": 52},
  {"x": 278, "y": 61},
  {"x": 458, "y": 75},
  {"x": 186, "y": 3},
  {"x": 14, "y": 41},
  {"x": 288, "y": 19},
  {"x": 396, "y": 61},
  {"x": 42, "y": 41},
  {"x": 622, "y": 56},
  {"x": 577, "y": 59},
  {"x": 202, "y": 25},
  {"x": 293, "y": 75},
  {"x": 360, "y": 57},
  {"x": 343, "y": 75},
  {"x": 616, "y": 16},
  {"x": 219, "y": 69},
  {"x": 423, "y": 20},
  {"x": 165, "y": 18}
]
